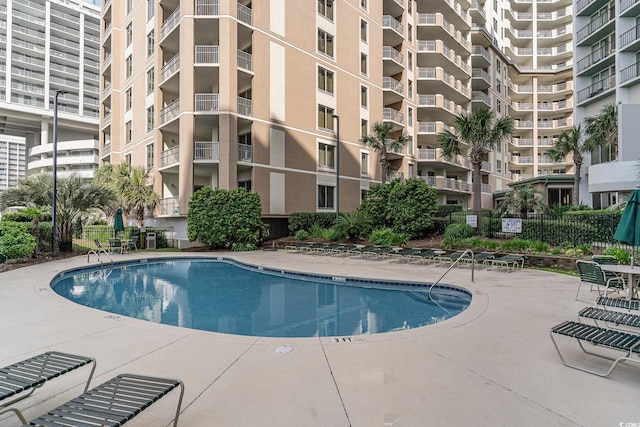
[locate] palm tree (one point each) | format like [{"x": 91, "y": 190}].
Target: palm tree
[
  {"x": 75, "y": 197},
  {"x": 482, "y": 132},
  {"x": 571, "y": 143},
  {"x": 137, "y": 194},
  {"x": 602, "y": 129},
  {"x": 522, "y": 200},
  {"x": 382, "y": 143}
]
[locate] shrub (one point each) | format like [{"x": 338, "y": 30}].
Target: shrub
[
  {"x": 243, "y": 247},
  {"x": 317, "y": 231},
  {"x": 352, "y": 224},
  {"x": 26, "y": 215},
  {"x": 220, "y": 218},
  {"x": 458, "y": 231},
  {"x": 386, "y": 237},
  {"x": 332, "y": 234},
  {"x": 306, "y": 220},
  {"x": 404, "y": 207},
  {"x": 302, "y": 235},
  {"x": 623, "y": 256},
  {"x": 516, "y": 245},
  {"x": 445, "y": 210},
  {"x": 539, "y": 247},
  {"x": 15, "y": 240}
]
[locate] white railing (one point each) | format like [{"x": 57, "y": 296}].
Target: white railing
[
  {"x": 244, "y": 14},
  {"x": 393, "y": 84},
  {"x": 170, "y": 23},
  {"x": 207, "y": 54},
  {"x": 170, "y": 67},
  {"x": 207, "y": 7},
  {"x": 170, "y": 206},
  {"x": 389, "y": 52},
  {"x": 393, "y": 115},
  {"x": 486, "y": 166},
  {"x": 245, "y": 153},
  {"x": 170, "y": 112},
  {"x": 244, "y": 106},
  {"x": 207, "y": 102},
  {"x": 485, "y": 188},
  {"x": 170, "y": 157},
  {"x": 245, "y": 60},
  {"x": 206, "y": 150},
  {"x": 391, "y": 22}
]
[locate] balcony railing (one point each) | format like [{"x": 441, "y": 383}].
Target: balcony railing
[
  {"x": 170, "y": 112},
  {"x": 595, "y": 57},
  {"x": 630, "y": 72},
  {"x": 392, "y": 115},
  {"x": 389, "y": 21},
  {"x": 479, "y": 50},
  {"x": 207, "y": 54},
  {"x": 480, "y": 73},
  {"x": 485, "y": 188},
  {"x": 170, "y": 157},
  {"x": 630, "y": 36},
  {"x": 389, "y": 52},
  {"x": 626, "y": 4},
  {"x": 486, "y": 167},
  {"x": 170, "y": 67},
  {"x": 244, "y": 14},
  {"x": 595, "y": 25},
  {"x": 206, "y": 150},
  {"x": 522, "y": 160},
  {"x": 597, "y": 88},
  {"x": 244, "y": 106},
  {"x": 207, "y": 7},
  {"x": 170, "y": 206},
  {"x": 435, "y": 155},
  {"x": 245, "y": 152},
  {"x": 170, "y": 23},
  {"x": 481, "y": 96},
  {"x": 207, "y": 102},
  {"x": 245, "y": 60},
  {"x": 393, "y": 84}
]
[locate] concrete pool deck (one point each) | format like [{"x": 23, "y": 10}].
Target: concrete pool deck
[{"x": 492, "y": 365}]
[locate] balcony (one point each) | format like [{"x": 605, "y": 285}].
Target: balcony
[
  {"x": 170, "y": 68},
  {"x": 597, "y": 90},
  {"x": 389, "y": 21},
  {"x": 244, "y": 106},
  {"x": 481, "y": 97},
  {"x": 207, "y": 55},
  {"x": 392, "y": 115},
  {"x": 523, "y": 124},
  {"x": 444, "y": 58},
  {"x": 245, "y": 14},
  {"x": 431, "y": 79},
  {"x": 521, "y": 176},
  {"x": 437, "y": 21},
  {"x": 597, "y": 57},
  {"x": 170, "y": 112},
  {"x": 629, "y": 7},
  {"x": 480, "y": 57},
  {"x": 486, "y": 167},
  {"x": 447, "y": 184},
  {"x": 207, "y": 7},
  {"x": 629, "y": 74},
  {"x": 389, "y": 83},
  {"x": 170, "y": 157},
  {"x": 170, "y": 206},
  {"x": 629, "y": 38},
  {"x": 478, "y": 14},
  {"x": 522, "y": 142},
  {"x": 481, "y": 79},
  {"x": 170, "y": 23},
  {"x": 432, "y": 128},
  {"x": 393, "y": 61},
  {"x": 522, "y": 160},
  {"x": 485, "y": 188},
  {"x": 207, "y": 151},
  {"x": 207, "y": 102},
  {"x": 439, "y": 101},
  {"x": 435, "y": 155},
  {"x": 584, "y": 34},
  {"x": 245, "y": 153},
  {"x": 245, "y": 60}
]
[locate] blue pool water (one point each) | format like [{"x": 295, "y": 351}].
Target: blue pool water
[{"x": 234, "y": 298}]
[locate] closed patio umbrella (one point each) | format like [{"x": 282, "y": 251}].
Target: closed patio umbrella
[
  {"x": 628, "y": 230},
  {"x": 118, "y": 223}
]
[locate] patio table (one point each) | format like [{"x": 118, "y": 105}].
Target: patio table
[{"x": 632, "y": 274}]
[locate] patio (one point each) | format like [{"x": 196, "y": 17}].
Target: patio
[{"x": 494, "y": 364}]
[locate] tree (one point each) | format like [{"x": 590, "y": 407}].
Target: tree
[
  {"x": 602, "y": 129},
  {"x": 571, "y": 143},
  {"x": 482, "y": 132},
  {"x": 75, "y": 196},
  {"x": 353, "y": 224},
  {"x": 137, "y": 194},
  {"x": 522, "y": 200},
  {"x": 381, "y": 142}
]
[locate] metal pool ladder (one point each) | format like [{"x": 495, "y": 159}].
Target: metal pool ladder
[
  {"x": 473, "y": 265},
  {"x": 97, "y": 254}
]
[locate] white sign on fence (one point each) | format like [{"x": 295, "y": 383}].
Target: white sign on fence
[
  {"x": 511, "y": 225},
  {"x": 472, "y": 221}
]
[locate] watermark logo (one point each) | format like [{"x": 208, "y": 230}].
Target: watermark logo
[{"x": 629, "y": 424}]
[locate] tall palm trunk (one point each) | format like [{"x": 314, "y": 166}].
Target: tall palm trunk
[
  {"x": 576, "y": 184},
  {"x": 476, "y": 189},
  {"x": 383, "y": 163}
]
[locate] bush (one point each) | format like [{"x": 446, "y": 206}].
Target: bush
[
  {"x": 352, "y": 224},
  {"x": 306, "y": 220},
  {"x": 458, "y": 231},
  {"x": 15, "y": 240},
  {"x": 302, "y": 235},
  {"x": 243, "y": 247},
  {"x": 220, "y": 218},
  {"x": 445, "y": 210},
  {"x": 539, "y": 247},
  {"x": 516, "y": 245},
  {"x": 623, "y": 256},
  {"x": 386, "y": 237},
  {"x": 404, "y": 207},
  {"x": 26, "y": 215}
]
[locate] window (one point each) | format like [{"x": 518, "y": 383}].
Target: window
[
  {"x": 325, "y": 80},
  {"x": 150, "y": 118},
  {"x": 127, "y": 159},
  {"x": 410, "y": 89},
  {"x": 410, "y": 172},
  {"x": 326, "y": 155},
  {"x": 150, "y": 9},
  {"x": 129, "y": 6},
  {"x": 128, "y": 99},
  {"x": 245, "y": 138},
  {"x": 245, "y": 184},
  {"x": 410, "y": 117},
  {"x": 364, "y": 128},
  {"x": 150, "y": 80},
  {"x": 364, "y": 96},
  {"x": 129, "y": 34},
  {"x": 410, "y": 33},
  {"x": 363, "y": 30},
  {"x": 325, "y": 196},
  {"x": 364, "y": 163},
  {"x": 498, "y": 86},
  {"x": 410, "y": 60},
  {"x": 499, "y": 106},
  {"x": 498, "y": 166},
  {"x": 325, "y": 43},
  {"x": 150, "y": 156},
  {"x": 410, "y": 7},
  {"x": 363, "y": 193},
  {"x": 325, "y": 8},
  {"x": 363, "y": 4},
  {"x": 325, "y": 120},
  {"x": 127, "y": 132},
  {"x": 363, "y": 63},
  {"x": 129, "y": 66},
  {"x": 498, "y": 65},
  {"x": 150, "y": 43}
]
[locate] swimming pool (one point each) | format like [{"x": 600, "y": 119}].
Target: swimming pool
[{"x": 222, "y": 295}]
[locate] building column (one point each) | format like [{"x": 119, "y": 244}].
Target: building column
[{"x": 44, "y": 135}]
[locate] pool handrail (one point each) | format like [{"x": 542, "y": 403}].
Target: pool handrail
[{"x": 468, "y": 251}]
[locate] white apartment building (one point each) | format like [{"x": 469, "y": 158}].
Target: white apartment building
[
  {"x": 235, "y": 93},
  {"x": 12, "y": 161},
  {"x": 48, "y": 46},
  {"x": 608, "y": 71}
]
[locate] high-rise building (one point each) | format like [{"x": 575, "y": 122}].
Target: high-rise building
[
  {"x": 608, "y": 72},
  {"x": 12, "y": 161},
  {"x": 48, "y": 46},
  {"x": 240, "y": 93}
]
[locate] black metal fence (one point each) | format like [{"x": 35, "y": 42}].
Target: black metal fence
[
  {"x": 569, "y": 229},
  {"x": 85, "y": 238}
]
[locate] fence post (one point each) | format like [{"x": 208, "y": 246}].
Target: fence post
[
  {"x": 540, "y": 236},
  {"x": 490, "y": 230}
]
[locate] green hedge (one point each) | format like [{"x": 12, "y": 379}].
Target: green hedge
[
  {"x": 306, "y": 221},
  {"x": 444, "y": 210},
  {"x": 15, "y": 240}
]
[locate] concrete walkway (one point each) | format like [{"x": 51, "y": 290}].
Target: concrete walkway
[{"x": 492, "y": 365}]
